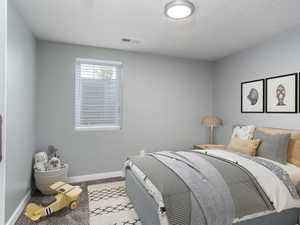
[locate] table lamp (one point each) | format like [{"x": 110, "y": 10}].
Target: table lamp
[{"x": 211, "y": 122}]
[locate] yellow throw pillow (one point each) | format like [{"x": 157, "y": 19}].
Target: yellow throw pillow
[{"x": 248, "y": 147}]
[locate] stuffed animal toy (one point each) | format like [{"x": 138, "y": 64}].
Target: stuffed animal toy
[
  {"x": 54, "y": 163},
  {"x": 41, "y": 161},
  {"x": 53, "y": 152}
]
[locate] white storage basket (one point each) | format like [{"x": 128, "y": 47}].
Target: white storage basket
[{"x": 43, "y": 179}]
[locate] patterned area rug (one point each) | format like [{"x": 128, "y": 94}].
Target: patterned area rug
[{"x": 110, "y": 205}]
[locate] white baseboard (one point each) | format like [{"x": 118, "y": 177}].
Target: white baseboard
[
  {"x": 14, "y": 217},
  {"x": 96, "y": 176}
]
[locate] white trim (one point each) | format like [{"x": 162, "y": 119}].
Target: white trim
[
  {"x": 100, "y": 61},
  {"x": 14, "y": 217},
  {"x": 3, "y": 99},
  {"x": 103, "y": 128},
  {"x": 96, "y": 176}
]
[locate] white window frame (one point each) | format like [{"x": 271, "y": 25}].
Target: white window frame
[{"x": 77, "y": 126}]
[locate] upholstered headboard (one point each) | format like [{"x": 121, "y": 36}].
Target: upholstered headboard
[{"x": 294, "y": 144}]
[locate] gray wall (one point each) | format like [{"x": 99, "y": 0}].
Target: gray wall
[
  {"x": 163, "y": 101},
  {"x": 20, "y": 109},
  {"x": 277, "y": 56}
]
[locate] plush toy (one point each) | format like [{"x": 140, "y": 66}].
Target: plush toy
[
  {"x": 53, "y": 152},
  {"x": 41, "y": 161},
  {"x": 54, "y": 163},
  {"x": 67, "y": 197}
]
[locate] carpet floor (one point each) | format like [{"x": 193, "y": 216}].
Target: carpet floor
[{"x": 78, "y": 216}]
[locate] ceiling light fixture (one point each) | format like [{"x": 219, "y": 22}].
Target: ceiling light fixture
[{"x": 179, "y": 9}]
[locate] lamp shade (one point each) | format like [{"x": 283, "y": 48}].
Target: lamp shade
[{"x": 211, "y": 121}]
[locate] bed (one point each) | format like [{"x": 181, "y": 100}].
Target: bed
[{"x": 162, "y": 198}]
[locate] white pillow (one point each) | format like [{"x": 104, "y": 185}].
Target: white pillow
[{"x": 244, "y": 132}]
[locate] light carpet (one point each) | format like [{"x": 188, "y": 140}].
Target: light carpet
[{"x": 110, "y": 205}]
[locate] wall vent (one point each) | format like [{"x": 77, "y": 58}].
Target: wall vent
[{"x": 130, "y": 40}]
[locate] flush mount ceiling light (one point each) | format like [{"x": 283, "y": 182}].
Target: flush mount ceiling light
[{"x": 179, "y": 9}]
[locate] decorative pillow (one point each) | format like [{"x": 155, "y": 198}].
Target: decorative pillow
[
  {"x": 294, "y": 144},
  {"x": 248, "y": 147},
  {"x": 274, "y": 147},
  {"x": 243, "y": 132}
]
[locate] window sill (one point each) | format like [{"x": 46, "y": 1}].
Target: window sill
[{"x": 108, "y": 128}]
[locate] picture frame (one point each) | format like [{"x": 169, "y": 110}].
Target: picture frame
[
  {"x": 253, "y": 96},
  {"x": 281, "y": 94}
]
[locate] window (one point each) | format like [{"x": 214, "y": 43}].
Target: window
[{"x": 98, "y": 95}]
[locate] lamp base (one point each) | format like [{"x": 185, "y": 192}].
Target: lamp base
[{"x": 211, "y": 135}]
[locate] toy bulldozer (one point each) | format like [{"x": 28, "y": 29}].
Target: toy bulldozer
[{"x": 67, "y": 197}]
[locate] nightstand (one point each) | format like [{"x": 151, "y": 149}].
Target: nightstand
[{"x": 208, "y": 146}]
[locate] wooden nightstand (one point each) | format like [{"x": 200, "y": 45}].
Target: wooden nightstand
[{"x": 208, "y": 146}]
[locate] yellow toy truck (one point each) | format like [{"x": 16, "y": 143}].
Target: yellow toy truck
[{"x": 67, "y": 197}]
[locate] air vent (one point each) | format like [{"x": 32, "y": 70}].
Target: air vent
[{"x": 130, "y": 40}]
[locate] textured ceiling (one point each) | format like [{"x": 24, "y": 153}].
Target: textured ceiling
[{"x": 216, "y": 29}]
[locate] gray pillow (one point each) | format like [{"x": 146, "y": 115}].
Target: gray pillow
[{"x": 273, "y": 147}]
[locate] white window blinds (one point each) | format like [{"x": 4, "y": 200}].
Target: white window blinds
[{"x": 98, "y": 94}]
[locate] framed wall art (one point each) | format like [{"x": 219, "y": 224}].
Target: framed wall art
[
  {"x": 252, "y": 96},
  {"x": 281, "y": 94}
]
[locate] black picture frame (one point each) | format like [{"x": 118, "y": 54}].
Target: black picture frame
[
  {"x": 296, "y": 93},
  {"x": 242, "y": 97}
]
